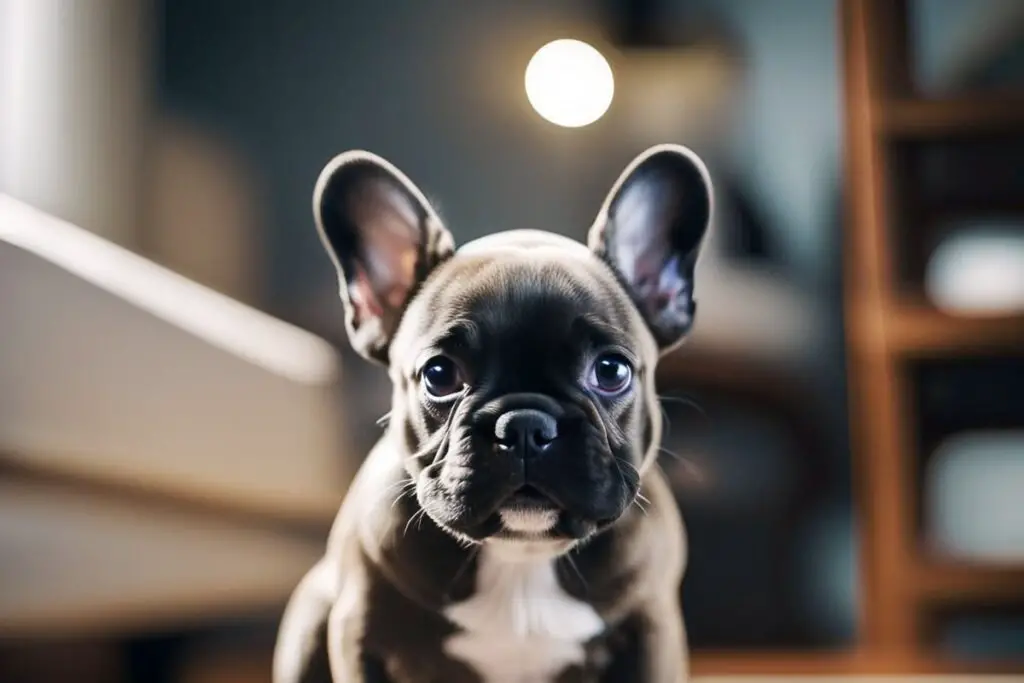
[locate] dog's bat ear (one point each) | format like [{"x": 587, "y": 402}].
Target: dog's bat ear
[
  {"x": 384, "y": 239},
  {"x": 650, "y": 230}
]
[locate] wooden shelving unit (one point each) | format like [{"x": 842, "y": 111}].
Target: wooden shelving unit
[
  {"x": 887, "y": 329},
  {"x": 923, "y": 118},
  {"x": 959, "y": 583},
  {"x": 917, "y": 330}
]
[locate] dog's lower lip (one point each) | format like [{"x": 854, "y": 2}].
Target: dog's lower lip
[
  {"x": 528, "y": 491},
  {"x": 529, "y": 498}
]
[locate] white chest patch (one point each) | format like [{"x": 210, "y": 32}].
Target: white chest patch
[{"x": 520, "y": 626}]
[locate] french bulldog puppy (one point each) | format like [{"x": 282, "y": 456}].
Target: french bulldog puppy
[{"x": 511, "y": 525}]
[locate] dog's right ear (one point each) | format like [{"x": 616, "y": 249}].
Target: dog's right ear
[
  {"x": 650, "y": 231},
  {"x": 384, "y": 239}
]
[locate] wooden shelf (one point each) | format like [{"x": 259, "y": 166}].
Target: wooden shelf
[
  {"x": 917, "y": 329},
  {"x": 912, "y": 328},
  {"x": 951, "y": 583},
  {"x": 911, "y": 118}
]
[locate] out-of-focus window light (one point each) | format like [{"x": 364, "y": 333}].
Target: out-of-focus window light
[
  {"x": 978, "y": 269},
  {"x": 569, "y": 83}
]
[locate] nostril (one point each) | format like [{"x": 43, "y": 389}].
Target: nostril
[
  {"x": 540, "y": 439},
  {"x": 505, "y": 444}
]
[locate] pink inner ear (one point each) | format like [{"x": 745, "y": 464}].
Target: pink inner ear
[
  {"x": 363, "y": 299},
  {"x": 385, "y": 277},
  {"x": 646, "y": 270},
  {"x": 657, "y": 283},
  {"x": 670, "y": 284}
]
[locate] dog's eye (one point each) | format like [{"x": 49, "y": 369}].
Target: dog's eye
[
  {"x": 611, "y": 374},
  {"x": 441, "y": 377}
]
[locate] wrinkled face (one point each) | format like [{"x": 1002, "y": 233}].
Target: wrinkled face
[
  {"x": 523, "y": 382},
  {"x": 522, "y": 363}
]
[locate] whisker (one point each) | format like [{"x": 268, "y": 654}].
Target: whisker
[
  {"x": 622, "y": 477},
  {"x": 672, "y": 454},
  {"x": 417, "y": 517},
  {"x": 636, "y": 473},
  {"x": 686, "y": 401},
  {"x": 402, "y": 489},
  {"x": 427, "y": 448},
  {"x": 474, "y": 551},
  {"x": 405, "y": 531},
  {"x": 576, "y": 570},
  {"x": 393, "y": 488},
  {"x": 692, "y": 468},
  {"x": 631, "y": 466},
  {"x": 618, "y": 470},
  {"x": 467, "y": 542},
  {"x": 384, "y": 419},
  {"x": 411, "y": 488},
  {"x": 666, "y": 419}
]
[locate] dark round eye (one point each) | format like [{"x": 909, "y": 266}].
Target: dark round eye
[
  {"x": 441, "y": 377},
  {"x": 611, "y": 374}
]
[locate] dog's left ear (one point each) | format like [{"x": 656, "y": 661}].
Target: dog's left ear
[
  {"x": 650, "y": 230},
  {"x": 384, "y": 239}
]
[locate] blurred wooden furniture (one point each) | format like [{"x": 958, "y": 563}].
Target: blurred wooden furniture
[
  {"x": 80, "y": 562},
  {"x": 889, "y": 326},
  {"x": 168, "y": 456},
  {"x": 115, "y": 369}
]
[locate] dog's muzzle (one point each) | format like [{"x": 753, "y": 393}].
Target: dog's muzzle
[{"x": 527, "y": 428}]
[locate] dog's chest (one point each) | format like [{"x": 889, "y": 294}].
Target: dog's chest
[{"x": 520, "y": 626}]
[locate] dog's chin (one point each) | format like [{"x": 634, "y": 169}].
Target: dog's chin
[{"x": 529, "y": 515}]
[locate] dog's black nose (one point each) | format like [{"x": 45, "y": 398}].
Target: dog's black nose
[{"x": 525, "y": 430}]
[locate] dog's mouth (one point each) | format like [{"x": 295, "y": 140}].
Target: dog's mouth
[
  {"x": 529, "y": 497},
  {"x": 529, "y": 511}
]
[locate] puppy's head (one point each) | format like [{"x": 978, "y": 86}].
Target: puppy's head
[{"x": 523, "y": 363}]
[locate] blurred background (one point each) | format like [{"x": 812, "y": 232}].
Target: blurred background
[{"x": 180, "y": 413}]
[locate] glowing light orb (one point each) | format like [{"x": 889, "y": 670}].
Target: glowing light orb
[{"x": 569, "y": 83}]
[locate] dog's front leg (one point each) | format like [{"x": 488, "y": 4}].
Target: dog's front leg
[
  {"x": 300, "y": 655},
  {"x": 349, "y": 662},
  {"x": 319, "y": 640},
  {"x": 668, "y": 656},
  {"x": 652, "y": 649}
]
